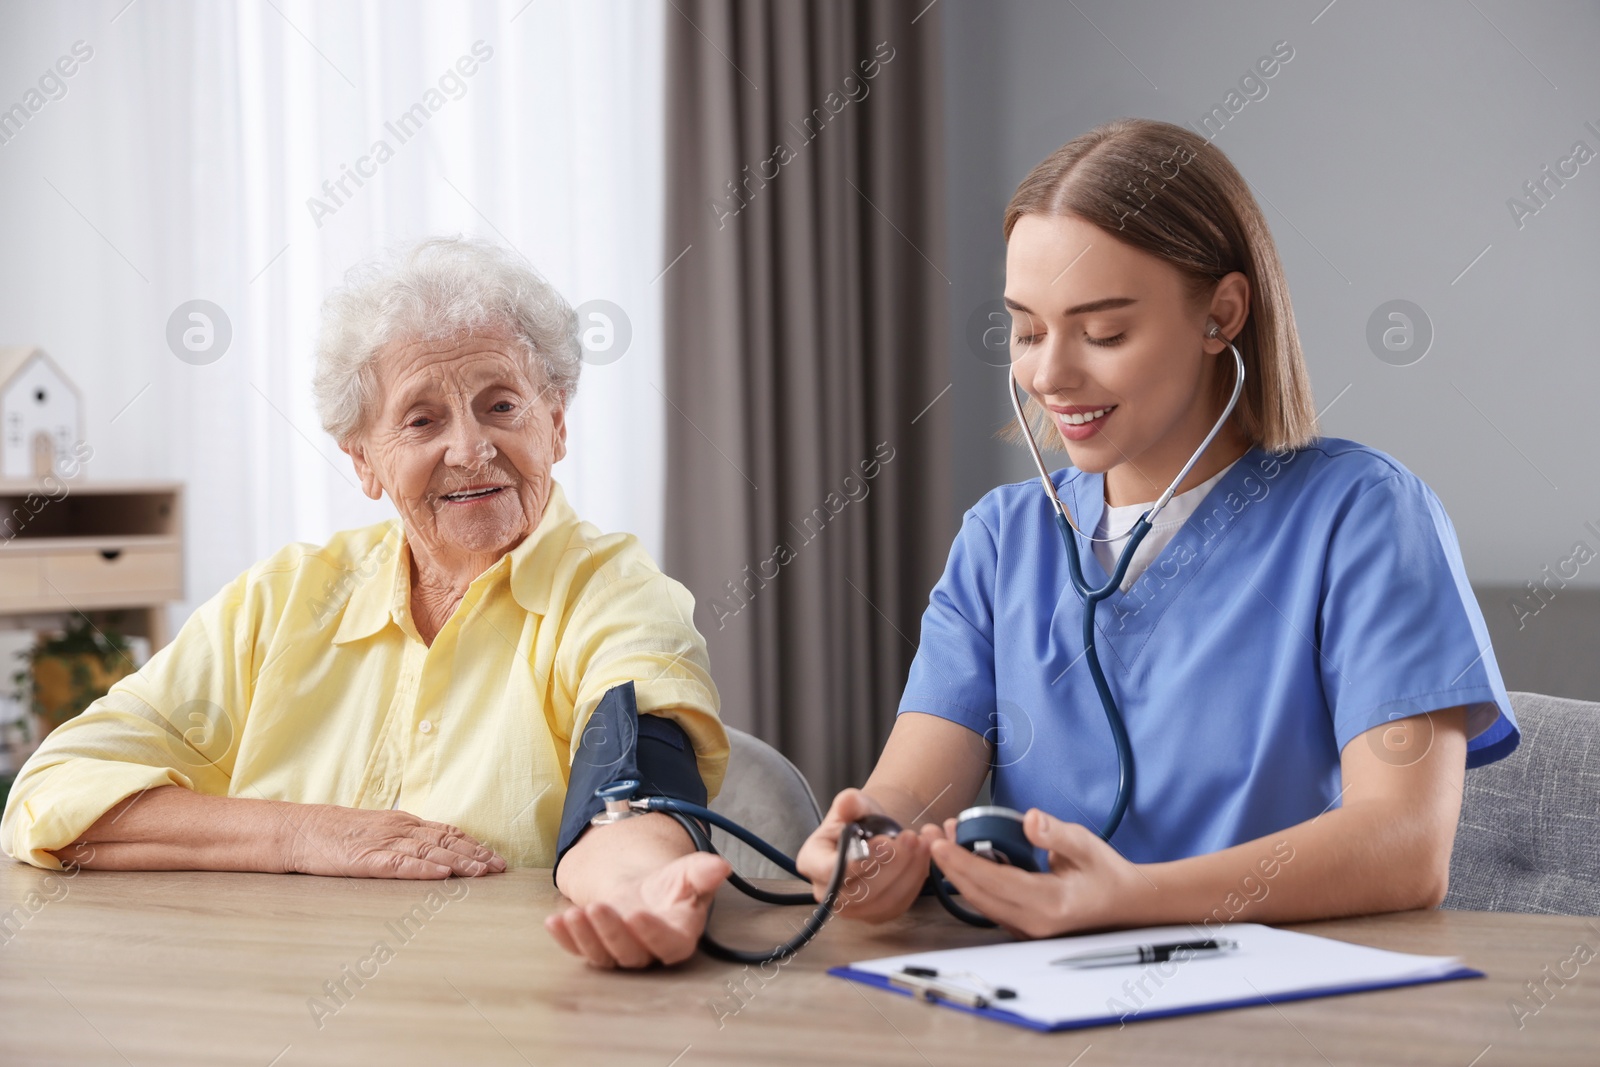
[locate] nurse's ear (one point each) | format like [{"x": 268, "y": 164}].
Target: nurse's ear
[{"x": 1228, "y": 309}]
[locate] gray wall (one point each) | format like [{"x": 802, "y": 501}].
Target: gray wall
[{"x": 1384, "y": 154}]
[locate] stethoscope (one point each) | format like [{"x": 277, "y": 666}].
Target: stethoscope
[
  {"x": 991, "y": 831},
  {"x": 1090, "y": 596},
  {"x": 622, "y": 801}
]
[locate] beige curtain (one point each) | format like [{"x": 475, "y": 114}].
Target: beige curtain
[{"x": 806, "y": 357}]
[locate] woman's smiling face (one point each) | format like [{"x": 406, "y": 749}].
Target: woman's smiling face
[
  {"x": 463, "y": 442},
  {"x": 1106, "y": 337}
]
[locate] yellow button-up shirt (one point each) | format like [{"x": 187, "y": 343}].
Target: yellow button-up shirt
[{"x": 305, "y": 680}]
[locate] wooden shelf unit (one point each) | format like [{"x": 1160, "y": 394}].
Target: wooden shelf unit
[{"x": 110, "y": 550}]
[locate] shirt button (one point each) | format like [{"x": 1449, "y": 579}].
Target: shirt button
[{"x": 425, "y": 726}]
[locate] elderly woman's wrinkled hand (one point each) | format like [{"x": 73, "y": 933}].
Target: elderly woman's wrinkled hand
[
  {"x": 641, "y": 921},
  {"x": 360, "y": 843}
]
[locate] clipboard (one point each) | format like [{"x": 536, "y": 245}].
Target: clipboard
[{"x": 1272, "y": 966}]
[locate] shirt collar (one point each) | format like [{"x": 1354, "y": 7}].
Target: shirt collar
[{"x": 385, "y": 596}]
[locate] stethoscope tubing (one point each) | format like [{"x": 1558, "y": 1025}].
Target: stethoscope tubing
[
  {"x": 1091, "y": 601},
  {"x": 672, "y": 805},
  {"x": 1092, "y": 597},
  {"x": 686, "y": 813},
  {"x": 681, "y": 811}
]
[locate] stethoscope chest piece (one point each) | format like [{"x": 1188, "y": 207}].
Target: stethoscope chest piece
[
  {"x": 996, "y": 834},
  {"x": 864, "y": 828},
  {"x": 618, "y": 797}
]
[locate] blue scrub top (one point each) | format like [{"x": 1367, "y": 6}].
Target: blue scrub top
[{"x": 1314, "y": 595}]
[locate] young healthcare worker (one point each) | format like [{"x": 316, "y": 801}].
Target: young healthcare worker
[{"x": 1303, "y": 672}]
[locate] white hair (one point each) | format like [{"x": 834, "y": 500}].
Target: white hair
[{"x": 437, "y": 289}]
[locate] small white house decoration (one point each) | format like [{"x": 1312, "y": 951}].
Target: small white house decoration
[{"x": 41, "y": 415}]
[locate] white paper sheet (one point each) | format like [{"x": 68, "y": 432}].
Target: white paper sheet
[{"x": 1269, "y": 963}]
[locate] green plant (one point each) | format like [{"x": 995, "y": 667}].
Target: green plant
[{"x": 81, "y": 664}]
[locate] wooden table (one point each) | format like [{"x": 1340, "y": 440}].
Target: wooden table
[{"x": 201, "y": 968}]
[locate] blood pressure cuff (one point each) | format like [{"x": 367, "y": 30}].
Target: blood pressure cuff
[{"x": 620, "y": 743}]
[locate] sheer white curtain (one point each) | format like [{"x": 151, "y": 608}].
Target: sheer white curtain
[{"x": 187, "y": 159}]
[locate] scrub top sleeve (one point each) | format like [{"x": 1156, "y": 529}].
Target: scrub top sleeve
[
  {"x": 952, "y": 675},
  {"x": 1400, "y": 632}
]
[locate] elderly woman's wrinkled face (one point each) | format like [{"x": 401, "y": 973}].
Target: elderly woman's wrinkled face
[{"x": 463, "y": 442}]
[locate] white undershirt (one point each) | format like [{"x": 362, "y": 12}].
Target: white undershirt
[{"x": 1118, "y": 523}]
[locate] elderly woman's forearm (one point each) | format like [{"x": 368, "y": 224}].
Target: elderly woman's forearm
[
  {"x": 173, "y": 828},
  {"x": 630, "y": 849}
]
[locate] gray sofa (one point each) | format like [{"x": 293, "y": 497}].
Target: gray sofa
[{"x": 1529, "y": 838}]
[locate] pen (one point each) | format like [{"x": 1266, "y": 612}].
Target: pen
[
  {"x": 924, "y": 984},
  {"x": 1113, "y": 957}
]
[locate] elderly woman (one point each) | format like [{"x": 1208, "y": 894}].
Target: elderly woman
[{"x": 406, "y": 700}]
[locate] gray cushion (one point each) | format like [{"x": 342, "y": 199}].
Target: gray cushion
[
  {"x": 768, "y": 795},
  {"x": 1529, "y": 837}
]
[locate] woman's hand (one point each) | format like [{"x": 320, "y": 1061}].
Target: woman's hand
[
  {"x": 878, "y": 888},
  {"x": 1089, "y": 885},
  {"x": 638, "y": 921},
  {"x": 361, "y": 843}
]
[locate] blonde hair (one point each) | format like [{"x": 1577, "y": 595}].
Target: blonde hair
[{"x": 1168, "y": 191}]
